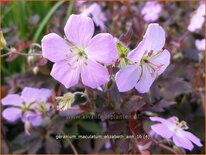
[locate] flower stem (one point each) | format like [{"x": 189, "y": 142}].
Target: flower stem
[
  {"x": 110, "y": 140},
  {"x": 10, "y": 51},
  {"x": 23, "y": 54},
  {"x": 79, "y": 93},
  {"x": 71, "y": 145},
  {"x": 90, "y": 96},
  {"x": 164, "y": 147}
]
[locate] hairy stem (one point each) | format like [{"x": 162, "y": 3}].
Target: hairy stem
[{"x": 23, "y": 54}]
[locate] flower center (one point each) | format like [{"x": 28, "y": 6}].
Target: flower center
[
  {"x": 180, "y": 124},
  {"x": 152, "y": 67},
  {"x": 76, "y": 55},
  {"x": 41, "y": 107},
  {"x": 25, "y": 107},
  {"x": 81, "y": 53}
]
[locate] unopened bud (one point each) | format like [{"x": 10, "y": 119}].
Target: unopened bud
[
  {"x": 122, "y": 49},
  {"x": 30, "y": 59},
  {"x": 35, "y": 70},
  {"x": 12, "y": 49},
  {"x": 65, "y": 101},
  {"x": 123, "y": 52}
]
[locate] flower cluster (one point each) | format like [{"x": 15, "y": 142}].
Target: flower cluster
[
  {"x": 30, "y": 106},
  {"x": 81, "y": 55},
  {"x": 104, "y": 78}
]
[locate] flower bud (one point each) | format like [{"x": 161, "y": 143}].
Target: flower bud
[
  {"x": 30, "y": 59},
  {"x": 35, "y": 70},
  {"x": 123, "y": 52},
  {"x": 65, "y": 101},
  {"x": 122, "y": 49}
]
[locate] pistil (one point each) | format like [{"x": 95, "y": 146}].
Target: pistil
[{"x": 153, "y": 68}]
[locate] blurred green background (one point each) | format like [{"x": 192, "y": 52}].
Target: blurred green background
[{"x": 23, "y": 21}]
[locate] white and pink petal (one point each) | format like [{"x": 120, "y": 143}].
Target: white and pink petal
[
  {"x": 102, "y": 48},
  {"x": 162, "y": 60},
  {"x": 30, "y": 94},
  {"x": 94, "y": 74},
  {"x": 79, "y": 30},
  {"x": 154, "y": 37},
  {"x": 65, "y": 73},
  {"x": 35, "y": 118},
  {"x": 191, "y": 137},
  {"x": 54, "y": 47},
  {"x": 166, "y": 122},
  {"x": 183, "y": 142},
  {"x": 146, "y": 80},
  {"x": 12, "y": 114},
  {"x": 44, "y": 94},
  {"x": 12, "y": 99},
  {"x": 161, "y": 130},
  {"x": 127, "y": 77},
  {"x": 136, "y": 54}
]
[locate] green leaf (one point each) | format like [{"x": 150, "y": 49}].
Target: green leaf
[
  {"x": 46, "y": 19},
  {"x": 90, "y": 126},
  {"x": 70, "y": 8},
  {"x": 73, "y": 130},
  {"x": 58, "y": 118}
]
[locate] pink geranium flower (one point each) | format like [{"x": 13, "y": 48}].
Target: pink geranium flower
[
  {"x": 198, "y": 19},
  {"x": 172, "y": 128},
  {"x": 200, "y": 44},
  {"x": 150, "y": 60},
  {"x": 97, "y": 15},
  {"x": 79, "y": 54},
  {"x": 201, "y": 10},
  {"x": 24, "y": 106},
  {"x": 151, "y": 11}
]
